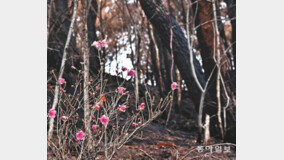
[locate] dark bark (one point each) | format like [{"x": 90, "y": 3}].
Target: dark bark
[
  {"x": 206, "y": 38},
  {"x": 205, "y": 34},
  {"x": 92, "y": 16},
  {"x": 161, "y": 21},
  {"x": 59, "y": 27},
  {"x": 231, "y": 5},
  {"x": 154, "y": 61},
  {"x": 165, "y": 61}
]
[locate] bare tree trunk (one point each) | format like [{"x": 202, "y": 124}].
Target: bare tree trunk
[
  {"x": 206, "y": 130},
  {"x": 86, "y": 53},
  {"x": 217, "y": 35},
  {"x": 179, "y": 89},
  {"x": 156, "y": 60}
]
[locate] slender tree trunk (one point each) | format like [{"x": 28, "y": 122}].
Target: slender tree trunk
[
  {"x": 86, "y": 53},
  {"x": 156, "y": 60},
  {"x": 179, "y": 89}
]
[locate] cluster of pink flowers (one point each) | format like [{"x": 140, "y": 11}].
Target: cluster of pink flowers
[
  {"x": 136, "y": 124},
  {"x": 64, "y": 118},
  {"x": 52, "y": 113},
  {"x": 122, "y": 108},
  {"x": 61, "y": 80},
  {"x": 121, "y": 90},
  {"x": 97, "y": 107},
  {"x": 141, "y": 107},
  {"x": 174, "y": 85},
  {"x": 94, "y": 126},
  {"x": 131, "y": 73},
  {"x": 80, "y": 135},
  {"x": 123, "y": 68},
  {"x": 100, "y": 44},
  {"x": 104, "y": 119}
]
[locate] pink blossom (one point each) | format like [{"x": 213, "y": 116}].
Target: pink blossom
[
  {"x": 174, "y": 85},
  {"x": 52, "y": 113},
  {"x": 139, "y": 123},
  {"x": 64, "y": 118},
  {"x": 131, "y": 73},
  {"x": 123, "y": 68},
  {"x": 61, "y": 89},
  {"x": 121, "y": 108},
  {"x": 94, "y": 126},
  {"x": 121, "y": 90},
  {"x": 93, "y": 117},
  {"x": 91, "y": 106},
  {"x": 73, "y": 67},
  {"x": 134, "y": 124},
  {"x": 80, "y": 135},
  {"x": 104, "y": 119},
  {"x": 61, "y": 80},
  {"x": 141, "y": 107},
  {"x": 97, "y": 107},
  {"x": 100, "y": 44}
]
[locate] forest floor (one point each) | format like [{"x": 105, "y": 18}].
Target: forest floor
[{"x": 158, "y": 142}]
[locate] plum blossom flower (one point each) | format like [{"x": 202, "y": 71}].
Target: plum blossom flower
[
  {"x": 64, "y": 118},
  {"x": 73, "y": 67},
  {"x": 97, "y": 107},
  {"x": 52, "y": 113},
  {"x": 61, "y": 89},
  {"x": 141, "y": 107},
  {"x": 93, "y": 117},
  {"x": 174, "y": 85},
  {"x": 80, "y": 135},
  {"x": 100, "y": 44},
  {"x": 121, "y": 90},
  {"x": 104, "y": 119},
  {"x": 121, "y": 108},
  {"x": 94, "y": 126},
  {"x": 131, "y": 73},
  {"x": 139, "y": 123},
  {"x": 123, "y": 68},
  {"x": 134, "y": 124},
  {"x": 61, "y": 80}
]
